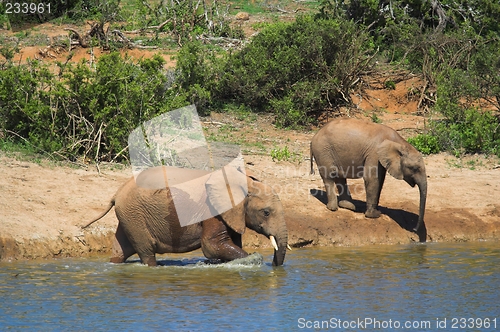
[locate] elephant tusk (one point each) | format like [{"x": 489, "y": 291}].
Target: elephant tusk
[
  {"x": 288, "y": 247},
  {"x": 273, "y": 242}
]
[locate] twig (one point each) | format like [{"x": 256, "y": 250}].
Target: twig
[
  {"x": 129, "y": 43},
  {"x": 120, "y": 34},
  {"x": 119, "y": 153},
  {"x": 98, "y": 148},
  {"x": 81, "y": 41},
  {"x": 422, "y": 95},
  {"x": 214, "y": 123},
  {"x": 145, "y": 47}
]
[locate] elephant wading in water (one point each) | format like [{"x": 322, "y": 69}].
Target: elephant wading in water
[
  {"x": 351, "y": 149},
  {"x": 149, "y": 219}
]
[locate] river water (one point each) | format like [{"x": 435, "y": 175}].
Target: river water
[{"x": 426, "y": 287}]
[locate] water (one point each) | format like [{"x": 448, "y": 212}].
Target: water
[{"x": 357, "y": 288}]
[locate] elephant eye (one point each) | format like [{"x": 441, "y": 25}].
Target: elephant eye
[{"x": 266, "y": 212}]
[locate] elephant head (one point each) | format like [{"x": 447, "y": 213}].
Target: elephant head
[
  {"x": 243, "y": 201},
  {"x": 404, "y": 162}
]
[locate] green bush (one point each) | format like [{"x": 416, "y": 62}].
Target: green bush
[
  {"x": 476, "y": 132},
  {"x": 425, "y": 143},
  {"x": 84, "y": 111},
  {"x": 472, "y": 81},
  {"x": 288, "y": 115},
  {"x": 401, "y": 27},
  {"x": 465, "y": 128},
  {"x": 296, "y": 69},
  {"x": 197, "y": 69},
  {"x": 284, "y": 154}
]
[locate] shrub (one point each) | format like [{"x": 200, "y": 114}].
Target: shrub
[
  {"x": 284, "y": 154},
  {"x": 82, "y": 111},
  {"x": 477, "y": 131},
  {"x": 288, "y": 115},
  {"x": 296, "y": 69},
  {"x": 425, "y": 143},
  {"x": 461, "y": 88},
  {"x": 197, "y": 72}
]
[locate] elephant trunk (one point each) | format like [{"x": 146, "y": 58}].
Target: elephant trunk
[
  {"x": 280, "y": 244},
  {"x": 422, "y": 186}
]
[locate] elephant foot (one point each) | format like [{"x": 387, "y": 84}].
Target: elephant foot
[
  {"x": 347, "y": 205},
  {"x": 374, "y": 213},
  {"x": 149, "y": 260},
  {"x": 116, "y": 260},
  {"x": 332, "y": 206}
]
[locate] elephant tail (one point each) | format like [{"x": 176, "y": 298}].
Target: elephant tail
[
  {"x": 110, "y": 205},
  {"x": 311, "y": 157}
]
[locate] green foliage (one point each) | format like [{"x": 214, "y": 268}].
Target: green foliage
[
  {"x": 480, "y": 15},
  {"x": 297, "y": 69},
  {"x": 284, "y": 154},
  {"x": 465, "y": 128},
  {"x": 288, "y": 115},
  {"x": 473, "y": 131},
  {"x": 425, "y": 143},
  {"x": 186, "y": 18},
  {"x": 431, "y": 16},
  {"x": 462, "y": 86},
  {"x": 375, "y": 118},
  {"x": 197, "y": 70},
  {"x": 426, "y": 35},
  {"x": 390, "y": 85},
  {"x": 248, "y": 6},
  {"x": 85, "y": 111},
  {"x": 103, "y": 11}
]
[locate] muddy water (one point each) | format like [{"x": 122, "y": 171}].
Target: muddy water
[{"x": 424, "y": 287}]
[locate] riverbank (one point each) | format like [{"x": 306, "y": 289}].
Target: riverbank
[{"x": 43, "y": 204}]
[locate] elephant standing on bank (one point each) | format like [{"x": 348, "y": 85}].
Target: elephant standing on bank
[
  {"x": 149, "y": 219},
  {"x": 352, "y": 148}
]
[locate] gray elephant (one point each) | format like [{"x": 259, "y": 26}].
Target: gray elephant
[
  {"x": 149, "y": 221},
  {"x": 351, "y": 148}
]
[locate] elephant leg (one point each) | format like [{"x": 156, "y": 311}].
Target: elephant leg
[
  {"x": 331, "y": 194},
  {"x": 216, "y": 242},
  {"x": 146, "y": 251},
  {"x": 345, "y": 199},
  {"x": 136, "y": 240},
  {"x": 381, "y": 177},
  {"x": 148, "y": 258},
  {"x": 373, "y": 186},
  {"x": 122, "y": 248}
]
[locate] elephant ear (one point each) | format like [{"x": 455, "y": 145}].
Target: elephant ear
[
  {"x": 227, "y": 189},
  {"x": 389, "y": 156}
]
